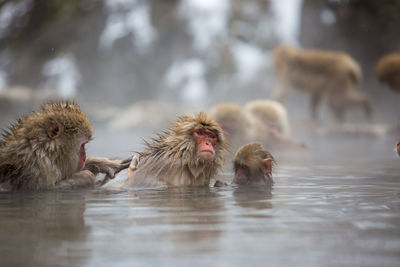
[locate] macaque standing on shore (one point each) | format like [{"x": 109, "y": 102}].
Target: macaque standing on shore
[
  {"x": 322, "y": 74},
  {"x": 388, "y": 71},
  {"x": 46, "y": 149},
  {"x": 190, "y": 153}
]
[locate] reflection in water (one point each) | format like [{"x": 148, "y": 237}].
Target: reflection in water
[
  {"x": 193, "y": 216},
  {"x": 43, "y": 229},
  {"x": 324, "y": 211},
  {"x": 256, "y": 197}
]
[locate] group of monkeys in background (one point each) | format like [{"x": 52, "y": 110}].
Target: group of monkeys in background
[{"x": 46, "y": 149}]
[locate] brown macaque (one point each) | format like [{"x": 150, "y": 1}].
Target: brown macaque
[
  {"x": 234, "y": 122},
  {"x": 323, "y": 74},
  {"x": 253, "y": 165},
  {"x": 388, "y": 71},
  {"x": 190, "y": 153},
  {"x": 270, "y": 113},
  {"x": 46, "y": 149},
  {"x": 398, "y": 148},
  {"x": 270, "y": 126}
]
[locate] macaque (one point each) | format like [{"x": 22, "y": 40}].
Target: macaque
[
  {"x": 270, "y": 126},
  {"x": 398, "y": 148},
  {"x": 388, "y": 71},
  {"x": 322, "y": 74},
  {"x": 190, "y": 153},
  {"x": 270, "y": 113},
  {"x": 253, "y": 165},
  {"x": 234, "y": 121},
  {"x": 46, "y": 150}
]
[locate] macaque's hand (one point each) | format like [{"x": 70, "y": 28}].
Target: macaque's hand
[
  {"x": 106, "y": 166},
  {"x": 81, "y": 179},
  {"x": 219, "y": 183}
]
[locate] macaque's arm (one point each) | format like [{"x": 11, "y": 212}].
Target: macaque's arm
[
  {"x": 79, "y": 179},
  {"x": 106, "y": 166}
]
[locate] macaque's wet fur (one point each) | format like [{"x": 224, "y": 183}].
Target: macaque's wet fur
[
  {"x": 398, "y": 148},
  {"x": 271, "y": 114},
  {"x": 253, "y": 165},
  {"x": 322, "y": 74},
  {"x": 388, "y": 70},
  {"x": 173, "y": 157},
  {"x": 46, "y": 149}
]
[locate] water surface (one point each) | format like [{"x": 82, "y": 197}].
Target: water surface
[{"x": 333, "y": 209}]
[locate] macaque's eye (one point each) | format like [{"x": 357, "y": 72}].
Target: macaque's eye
[
  {"x": 212, "y": 135},
  {"x": 200, "y": 132}
]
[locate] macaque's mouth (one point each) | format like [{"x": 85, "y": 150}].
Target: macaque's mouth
[
  {"x": 207, "y": 151},
  {"x": 206, "y": 154}
]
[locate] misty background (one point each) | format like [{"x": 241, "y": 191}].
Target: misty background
[{"x": 136, "y": 64}]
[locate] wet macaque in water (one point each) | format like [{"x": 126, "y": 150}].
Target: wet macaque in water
[
  {"x": 388, "y": 71},
  {"x": 270, "y": 125},
  {"x": 189, "y": 153},
  {"x": 253, "y": 165},
  {"x": 329, "y": 75},
  {"x": 270, "y": 113},
  {"x": 235, "y": 123},
  {"x": 46, "y": 149}
]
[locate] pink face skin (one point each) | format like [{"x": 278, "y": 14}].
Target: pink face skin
[
  {"x": 206, "y": 141},
  {"x": 241, "y": 175},
  {"x": 82, "y": 154}
]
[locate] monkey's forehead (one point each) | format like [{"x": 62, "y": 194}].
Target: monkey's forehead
[
  {"x": 73, "y": 120},
  {"x": 201, "y": 120}
]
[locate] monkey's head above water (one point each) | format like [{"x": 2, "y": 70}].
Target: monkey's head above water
[
  {"x": 253, "y": 165},
  {"x": 192, "y": 141},
  {"x": 53, "y": 137},
  {"x": 54, "y": 126}
]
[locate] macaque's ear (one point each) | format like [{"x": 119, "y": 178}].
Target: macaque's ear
[
  {"x": 54, "y": 131},
  {"x": 268, "y": 165}
]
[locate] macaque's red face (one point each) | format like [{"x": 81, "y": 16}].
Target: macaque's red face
[
  {"x": 398, "y": 148},
  {"x": 82, "y": 154},
  {"x": 242, "y": 174},
  {"x": 206, "y": 141},
  {"x": 250, "y": 174}
]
